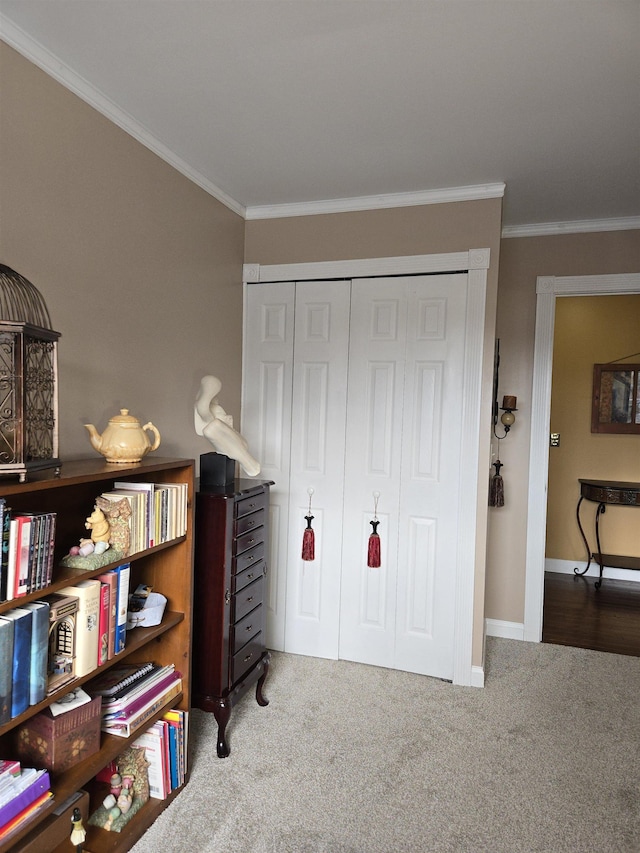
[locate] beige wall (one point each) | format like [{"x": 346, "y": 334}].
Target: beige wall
[
  {"x": 141, "y": 270},
  {"x": 421, "y": 230},
  {"x": 522, "y": 260},
  {"x": 589, "y": 330}
]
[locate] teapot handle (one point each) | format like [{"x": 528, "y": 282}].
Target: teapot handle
[{"x": 154, "y": 430}]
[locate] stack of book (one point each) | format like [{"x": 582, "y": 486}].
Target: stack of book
[
  {"x": 23, "y": 792},
  {"x": 158, "y": 511},
  {"x": 26, "y": 560},
  {"x": 133, "y": 693},
  {"x": 101, "y": 622},
  {"x": 165, "y": 745},
  {"x": 24, "y": 647}
]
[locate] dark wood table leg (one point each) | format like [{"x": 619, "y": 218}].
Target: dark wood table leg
[
  {"x": 222, "y": 713},
  {"x": 260, "y": 697}
]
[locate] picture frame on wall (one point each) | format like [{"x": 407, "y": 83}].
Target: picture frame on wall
[{"x": 616, "y": 399}]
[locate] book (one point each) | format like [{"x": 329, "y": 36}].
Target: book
[
  {"x": 148, "y": 489},
  {"x": 125, "y": 710},
  {"x": 103, "y": 622},
  {"x": 21, "y": 661},
  {"x": 173, "y": 754},
  {"x": 38, "y": 674},
  {"x": 5, "y": 522},
  {"x": 50, "y": 548},
  {"x": 26, "y": 814},
  {"x": 115, "y": 681},
  {"x": 87, "y": 636},
  {"x": 23, "y": 543},
  {"x": 126, "y": 728},
  {"x": 111, "y": 578},
  {"x": 29, "y": 786},
  {"x": 152, "y": 742},
  {"x": 6, "y": 668},
  {"x": 180, "y": 719},
  {"x": 112, "y": 705},
  {"x": 137, "y": 518},
  {"x": 123, "y": 572}
]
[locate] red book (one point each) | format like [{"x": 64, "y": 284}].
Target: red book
[{"x": 103, "y": 623}]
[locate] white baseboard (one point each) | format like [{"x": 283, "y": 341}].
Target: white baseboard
[
  {"x": 507, "y": 630},
  {"x": 477, "y": 676},
  {"x": 566, "y": 567}
]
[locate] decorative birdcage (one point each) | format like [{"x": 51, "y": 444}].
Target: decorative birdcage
[{"x": 28, "y": 379}]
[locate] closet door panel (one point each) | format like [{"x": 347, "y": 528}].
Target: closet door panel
[
  {"x": 430, "y": 474},
  {"x": 374, "y": 434},
  {"x": 266, "y": 424},
  {"x": 317, "y": 463}
]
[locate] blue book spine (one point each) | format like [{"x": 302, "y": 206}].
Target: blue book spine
[
  {"x": 22, "y": 622},
  {"x": 173, "y": 756},
  {"x": 6, "y": 668},
  {"x": 123, "y": 571},
  {"x": 39, "y": 651}
]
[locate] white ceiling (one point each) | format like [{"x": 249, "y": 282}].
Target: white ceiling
[{"x": 275, "y": 103}]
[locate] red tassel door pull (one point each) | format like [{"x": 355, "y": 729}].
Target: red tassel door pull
[
  {"x": 373, "y": 550},
  {"x": 309, "y": 536}
]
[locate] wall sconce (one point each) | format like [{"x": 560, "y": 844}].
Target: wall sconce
[{"x": 507, "y": 419}]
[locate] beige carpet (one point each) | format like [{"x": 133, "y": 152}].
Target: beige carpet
[{"x": 350, "y": 758}]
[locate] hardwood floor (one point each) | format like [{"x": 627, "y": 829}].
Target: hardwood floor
[{"x": 577, "y": 614}]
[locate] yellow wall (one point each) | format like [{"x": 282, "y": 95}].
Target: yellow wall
[
  {"x": 589, "y": 330},
  {"x": 141, "y": 269}
]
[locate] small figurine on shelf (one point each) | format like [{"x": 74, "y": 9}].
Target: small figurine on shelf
[
  {"x": 78, "y": 834},
  {"x": 116, "y": 785}
]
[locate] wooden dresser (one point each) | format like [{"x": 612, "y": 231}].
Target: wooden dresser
[{"x": 231, "y": 551}]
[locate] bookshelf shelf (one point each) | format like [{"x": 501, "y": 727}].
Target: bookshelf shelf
[{"x": 168, "y": 568}]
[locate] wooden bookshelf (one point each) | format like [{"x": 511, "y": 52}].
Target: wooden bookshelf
[{"x": 168, "y": 568}]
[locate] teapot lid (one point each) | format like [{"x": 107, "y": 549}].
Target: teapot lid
[{"x": 124, "y": 418}]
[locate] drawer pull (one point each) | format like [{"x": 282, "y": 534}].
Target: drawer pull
[
  {"x": 249, "y": 628},
  {"x": 251, "y": 557},
  {"x": 250, "y": 523},
  {"x": 250, "y": 576},
  {"x": 248, "y": 657},
  {"x": 249, "y": 599},
  {"x": 227, "y": 597}
]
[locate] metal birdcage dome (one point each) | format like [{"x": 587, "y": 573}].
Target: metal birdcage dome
[
  {"x": 28, "y": 378},
  {"x": 21, "y": 301}
]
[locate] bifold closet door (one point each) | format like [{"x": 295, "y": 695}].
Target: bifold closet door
[
  {"x": 319, "y": 402},
  {"x": 406, "y": 364},
  {"x": 294, "y": 404},
  {"x": 267, "y": 425}
]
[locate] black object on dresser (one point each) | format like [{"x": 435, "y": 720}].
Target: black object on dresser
[{"x": 231, "y": 552}]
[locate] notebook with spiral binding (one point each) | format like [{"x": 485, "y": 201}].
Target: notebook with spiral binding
[{"x": 120, "y": 678}]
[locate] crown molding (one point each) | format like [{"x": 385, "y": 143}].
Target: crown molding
[
  {"x": 375, "y": 202},
  {"x": 581, "y": 226},
  {"x": 36, "y": 53}
]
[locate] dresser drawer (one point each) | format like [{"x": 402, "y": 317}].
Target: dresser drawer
[
  {"x": 251, "y": 503},
  {"x": 247, "y": 657},
  {"x": 246, "y": 628},
  {"x": 248, "y": 558},
  {"x": 249, "y": 522},
  {"x": 248, "y": 540},
  {"x": 248, "y": 598},
  {"x": 238, "y": 582}
]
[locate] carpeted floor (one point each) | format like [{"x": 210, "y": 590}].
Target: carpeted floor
[{"x": 349, "y": 758}]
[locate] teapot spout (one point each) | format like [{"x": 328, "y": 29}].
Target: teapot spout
[{"x": 96, "y": 438}]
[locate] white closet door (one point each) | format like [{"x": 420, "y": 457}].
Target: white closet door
[
  {"x": 317, "y": 462},
  {"x": 267, "y": 426},
  {"x": 405, "y": 384}
]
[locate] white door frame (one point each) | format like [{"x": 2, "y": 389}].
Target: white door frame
[
  {"x": 548, "y": 288},
  {"x": 476, "y": 263}
]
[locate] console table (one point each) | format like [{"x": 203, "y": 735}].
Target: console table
[{"x": 606, "y": 492}]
